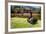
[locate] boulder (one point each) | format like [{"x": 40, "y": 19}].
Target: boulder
[{"x": 32, "y": 20}]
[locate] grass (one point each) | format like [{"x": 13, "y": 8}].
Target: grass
[{"x": 17, "y": 22}]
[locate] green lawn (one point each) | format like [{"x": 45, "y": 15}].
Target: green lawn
[{"x": 17, "y": 22}]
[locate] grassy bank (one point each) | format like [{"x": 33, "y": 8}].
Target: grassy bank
[{"x": 17, "y": 22}]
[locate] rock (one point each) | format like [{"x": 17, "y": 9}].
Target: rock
[{"x": 32, "y": 20}]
